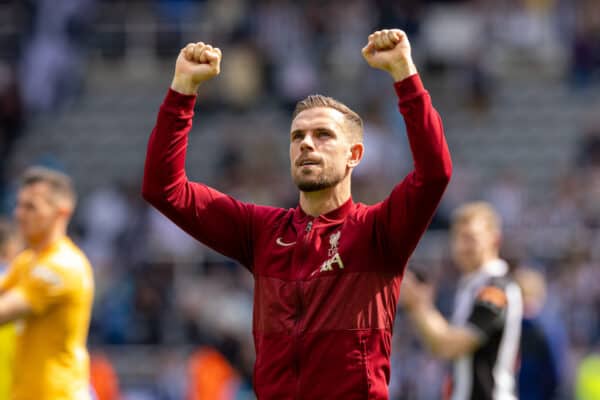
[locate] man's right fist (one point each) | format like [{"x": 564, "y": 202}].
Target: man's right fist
[{"x": 196, "y": 63}]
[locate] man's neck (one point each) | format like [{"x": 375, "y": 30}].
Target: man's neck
[
  {"x": 481, "y": 266},
  {"x": 323, "y": 201},
  {"x": 48, "y": 240}
]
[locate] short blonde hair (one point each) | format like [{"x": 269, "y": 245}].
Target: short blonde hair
[
  {"x": 318, "y": 100},
  {"x": 60, "y": 184},
  {"x": 477, "y": 210}
]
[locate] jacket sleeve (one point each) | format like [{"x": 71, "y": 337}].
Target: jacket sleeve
[
  {"x": 402, "y": 218},
  {"x": 215, "y": 219}
]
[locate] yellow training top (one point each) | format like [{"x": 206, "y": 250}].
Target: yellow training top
[
  {"x": 7, "y": 347},
  {"x": 51, "y": 360}
]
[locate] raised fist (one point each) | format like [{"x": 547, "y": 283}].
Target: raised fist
[
  {"x": 389, "y": 50},
  {"x": 196, "y": 63}
]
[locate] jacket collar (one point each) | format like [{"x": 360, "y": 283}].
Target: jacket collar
[{"x": 332, "y": 216}]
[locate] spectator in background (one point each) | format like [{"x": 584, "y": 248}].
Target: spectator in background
[
  {"x": 105, "y": 215},
  {"x": 586, "y": 43},
  {"x": 210, "y": 376},
  {"x": 103, "y": 378},
  {"x": 543, "y": 344},
  {"x": 588, "y": 152},
  {"x": 11, "y": 123},
  {"x": 171, "y": 16},
  {"x": 52, "y": 60},
  {"x": 508, "y": 196}
]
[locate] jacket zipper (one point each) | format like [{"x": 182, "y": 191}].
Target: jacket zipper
[
  {"x": 308, "y": 227},
  {"x": 299, "y": 314}
]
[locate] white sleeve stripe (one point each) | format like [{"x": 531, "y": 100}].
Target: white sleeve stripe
[
  {"x": 503, "y": 372},
  {"x": 463, "y": 378}
]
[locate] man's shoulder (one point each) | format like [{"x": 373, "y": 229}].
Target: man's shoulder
[
  {"x": 497, "y": 291},
  {"x": 501, "y": 282},
  {"x": 270, "y": 214},
  {"x": 362, "y": 213},
  {"x": 23, "y": 258},
  {"x": 66, "y": 269},
  {"x": 16, "y": 267},
  {"x": 68, "y": 258}
]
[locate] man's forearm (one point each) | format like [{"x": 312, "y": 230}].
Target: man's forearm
[
  {"x": 443, "y": 340},
  {"x": 13, "y": 305},
  {"x": 165, "y": 157},
  {"x": 403, "y": 69},
  {"x": 184, "y": 86},
  {"x": 425, "y": 131},
  {"x": 167, "y": 188},
  {"x": 430, "y": 324},
  {"x": 164, "y": 171}
]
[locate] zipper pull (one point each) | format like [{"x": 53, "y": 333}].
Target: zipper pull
[{"x": 308, "y": 226}]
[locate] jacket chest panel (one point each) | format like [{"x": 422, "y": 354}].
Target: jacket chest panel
[{"x": 298, "y": 254}]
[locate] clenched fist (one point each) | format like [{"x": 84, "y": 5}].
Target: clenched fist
[
  {"x": 196, "y": 63},
  {"x": 389, "y": 50},
  {"x": 414, "y": 293}
]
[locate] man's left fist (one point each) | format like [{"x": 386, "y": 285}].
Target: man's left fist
[{"x": 389, "y": 50}]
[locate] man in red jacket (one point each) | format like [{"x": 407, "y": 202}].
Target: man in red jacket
[{"x": 327, "y": 273}]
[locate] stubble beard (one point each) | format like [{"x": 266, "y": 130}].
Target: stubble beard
[{"x": 315, "y": 184}]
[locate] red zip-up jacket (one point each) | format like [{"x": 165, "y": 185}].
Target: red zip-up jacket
[{"x": 326, "y": 287}]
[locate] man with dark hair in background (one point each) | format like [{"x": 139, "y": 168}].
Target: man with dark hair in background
[{"x": 48, "y": 289}]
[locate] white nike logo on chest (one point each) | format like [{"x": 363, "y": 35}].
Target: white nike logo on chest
[{"x": 280, "y": 242}]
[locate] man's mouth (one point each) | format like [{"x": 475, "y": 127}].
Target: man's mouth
[{"x": 306, "y": 162}]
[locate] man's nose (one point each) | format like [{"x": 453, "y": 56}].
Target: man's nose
[{"x": 307, "y": 143}]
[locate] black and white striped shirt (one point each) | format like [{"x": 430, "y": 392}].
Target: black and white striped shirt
[{"x": 490, "y": 303}]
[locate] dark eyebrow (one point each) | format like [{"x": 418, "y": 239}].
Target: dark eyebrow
[
  {"x": 325, "y": 129},
  {"x": 296, "y": 132},
  {"x": 319, "y": 128}
]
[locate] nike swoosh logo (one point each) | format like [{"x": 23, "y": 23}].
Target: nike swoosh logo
[{"x": 280, "y": 242}]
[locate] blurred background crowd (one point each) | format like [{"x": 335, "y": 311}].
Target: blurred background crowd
[{"x": 516, "y": 82}]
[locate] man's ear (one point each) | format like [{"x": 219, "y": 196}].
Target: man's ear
[
  {"x": 65, "y": 207},
  {"x": 498, "y": 240},
  {"x": 356, "y": 154}
]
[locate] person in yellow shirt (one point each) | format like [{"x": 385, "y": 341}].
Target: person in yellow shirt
[
  {"x": 8, "y": 249},
  {"x": 49, "y": 290}
]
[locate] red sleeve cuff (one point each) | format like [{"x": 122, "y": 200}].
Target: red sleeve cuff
[
  {"x": 409, "y": 88},
  {"x": 177, "y": 102}
]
